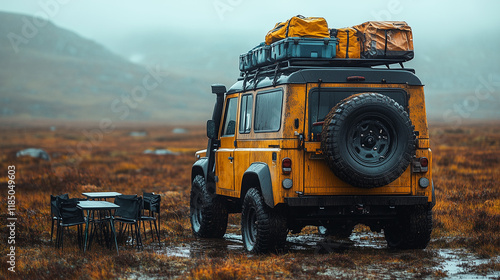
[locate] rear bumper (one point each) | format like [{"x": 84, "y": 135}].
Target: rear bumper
[{"x": 325, "y": 201}]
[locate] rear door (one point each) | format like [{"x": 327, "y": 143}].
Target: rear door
[{"x": 318, "y": 178}]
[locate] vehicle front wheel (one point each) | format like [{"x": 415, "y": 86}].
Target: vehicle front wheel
[
  {"x": 208, "y": 213},
  {"x": 263, "y": 229}
]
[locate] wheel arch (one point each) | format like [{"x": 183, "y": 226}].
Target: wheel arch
[
  {"x": 258, "y": 176},
  {"x": 199, "y": 168}
]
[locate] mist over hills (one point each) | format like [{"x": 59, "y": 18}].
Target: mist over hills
[{"x": 57, "y": 74}]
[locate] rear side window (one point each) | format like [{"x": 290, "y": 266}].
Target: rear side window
[
  {"x": 246, "y": 113},
  {"x": 230, "y": 117},
  {"x": 268, "y": 111}
]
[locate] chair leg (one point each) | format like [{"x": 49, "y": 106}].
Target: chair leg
[
  {"x": 57, "y": 236},
  {"x": 91, "y": 233},
  {"x": 151, "y": 229},
  {"x": 144, "y": 228},
  {"x": 59, "y": 239},
  {"x": 157, "y": 233},
  {"x": 80, "y": 236},
  {"x": 128, "y": 231},
  {"x": 139, "y": 239},
  {"x": 62, "y": 238},
  {"x": 52, "y": 229}
]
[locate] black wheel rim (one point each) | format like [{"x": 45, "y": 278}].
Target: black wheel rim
[
  {"x": 370, "y": 140},
  {"x": 251, "y": 229}
]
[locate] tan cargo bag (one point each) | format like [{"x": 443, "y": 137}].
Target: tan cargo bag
[
  {"x": 299, "y": 26},
  {"x": 386, "y": 39},
  {"x": 348, "y": 42}
]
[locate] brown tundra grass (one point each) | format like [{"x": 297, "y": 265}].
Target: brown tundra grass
[{"x": 467, "y": 215}]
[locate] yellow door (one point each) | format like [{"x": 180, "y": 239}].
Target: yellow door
[{"x": 224, "y": 157}]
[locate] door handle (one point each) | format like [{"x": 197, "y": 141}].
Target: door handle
[{"x": 231, "y": 158}]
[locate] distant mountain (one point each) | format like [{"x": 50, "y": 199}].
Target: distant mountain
[{"x": 51, "y": 73}]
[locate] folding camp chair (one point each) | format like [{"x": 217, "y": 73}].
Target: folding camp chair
[
  {"x": 54, "y": 213},
  {"x": 69, "y": 215},
  {"x": 151, "y": 203},
  {"x": 129, "y": 213}
]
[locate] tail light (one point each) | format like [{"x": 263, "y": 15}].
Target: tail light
[
  {"x": 424, "y": 162},
  {"x": 286, "y": 166},
  {"x": 355, "y": 79},
  {"x": 420, "y": 165}
]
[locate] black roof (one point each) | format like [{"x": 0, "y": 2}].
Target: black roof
[{"x": 301, "y": 75}]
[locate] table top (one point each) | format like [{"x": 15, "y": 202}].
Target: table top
[
  {"x": 101, "y": 194},
  {"x": 96, "y": 205}
]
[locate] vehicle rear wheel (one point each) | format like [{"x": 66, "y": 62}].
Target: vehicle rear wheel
[
  {"x": 208, "y": 213},
  {"x": 368, "y": 140},
  {"x": 412, "y": 229},
  {"x": 263, "y": 229}
]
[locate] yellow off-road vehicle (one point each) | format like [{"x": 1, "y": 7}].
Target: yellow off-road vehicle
[{"x": 325, "y": 145}]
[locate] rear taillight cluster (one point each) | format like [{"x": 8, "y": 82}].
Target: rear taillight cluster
[
  {"x": 286, "y": 166},
  {"x": 420, "y": 165}
]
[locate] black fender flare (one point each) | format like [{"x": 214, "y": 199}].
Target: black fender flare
[
  {"x": 199, "y": 168},
  {"x": 258, "y": 173}
]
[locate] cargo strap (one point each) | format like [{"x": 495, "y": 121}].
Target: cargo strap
[
  {"x": 385, "y": 49},
  {"x": 288, "y": 24},
  {"x": 255, "y": 80},
  {"x": 319, "y": 93},
  {"x": 348, "y": 42},
  {"x": 276, "y": 74},
  {"x": 245, "y": 81}
]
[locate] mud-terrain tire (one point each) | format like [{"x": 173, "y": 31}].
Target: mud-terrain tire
[
  {"x": 412, "y": 230},
  {"x": 208, "y": 213},
  {"x": 263, "y": 229},
  {"x": 340, "y": 231},
  {"x": 368, "y": 140}
]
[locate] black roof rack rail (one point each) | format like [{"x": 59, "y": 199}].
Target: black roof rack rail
[
  {"x": 295, "y": 64},
  {"x": 305, "y": 63}
]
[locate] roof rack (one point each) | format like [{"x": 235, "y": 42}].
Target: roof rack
[{"x": 295, "y": 64}]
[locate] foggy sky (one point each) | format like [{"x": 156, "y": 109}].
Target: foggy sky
[{"x": 108, "y": 21}]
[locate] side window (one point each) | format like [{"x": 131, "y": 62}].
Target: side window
[
  {"x": 246, "y": 113},
  {"x": 268, "y": 111},
  {"x": 230, "y": 117}
]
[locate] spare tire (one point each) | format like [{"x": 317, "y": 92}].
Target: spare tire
[{"x": 368, "y": 140}]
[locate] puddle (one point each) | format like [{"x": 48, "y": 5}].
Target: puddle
[
  {"x": 368, "y": 240},
  {"x": 312, "y": 243},
  {"x": 200, "y": 248},
  {"x": 456, "y": 263}
]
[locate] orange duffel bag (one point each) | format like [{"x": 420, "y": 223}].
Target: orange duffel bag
[
  {"x": 386, "y": 39},
  {"x": 348, "y": 42},
  {"x": 299, "y": 26}
]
